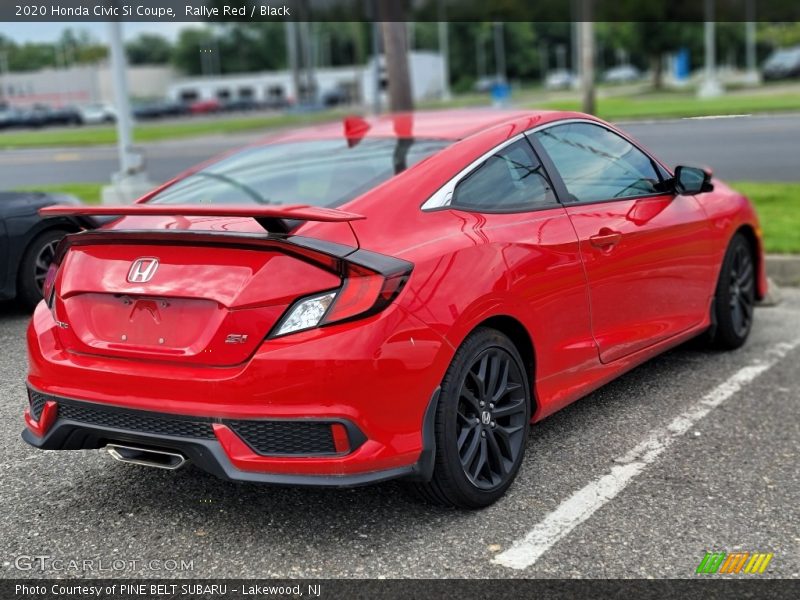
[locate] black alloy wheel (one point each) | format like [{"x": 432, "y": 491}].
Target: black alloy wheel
[
  {"x": 482, "y": 422},
  {"x": 742, "y": 290},
  {"x": 491, "y": 416},
  {"x": 735, "y": 298}
]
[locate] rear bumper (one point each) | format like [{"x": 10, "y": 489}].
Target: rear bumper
[
  {"x": 210, "y": 454},
  {"x": 376, "y": 377}
]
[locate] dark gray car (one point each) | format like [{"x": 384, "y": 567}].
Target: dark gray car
[{"x": 28, "y": 242}]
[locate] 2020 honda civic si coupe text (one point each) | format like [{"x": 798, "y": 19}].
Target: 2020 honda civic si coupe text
[{"x": 389, "y": 298}]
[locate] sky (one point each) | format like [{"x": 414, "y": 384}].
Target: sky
[{"x": 50, "y": 31}]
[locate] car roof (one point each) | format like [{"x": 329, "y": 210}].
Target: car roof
[{"x": 435, "y": 124}]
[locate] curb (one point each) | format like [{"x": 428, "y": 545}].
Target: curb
[{"x": 784, "y": 269}]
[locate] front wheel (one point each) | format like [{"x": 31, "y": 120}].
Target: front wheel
[
  {"x": 735, "y": 296},
  {"x": 482, "y": 422}
]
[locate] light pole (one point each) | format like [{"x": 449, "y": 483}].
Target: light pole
[
  {"x": 710, "y": 86},
  {"x": 750, "y": 42},
  {"x": 291, "y": 53},
  {"x": 587, "y": 60},
  {"x": 376, "y": 60},
  {"x": 3, "y": 73},
  {"x": 444, "y": 50},
  {"x": 131, "y": 180}
]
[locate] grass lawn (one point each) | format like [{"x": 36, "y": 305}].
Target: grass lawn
[
  {"x": 778, "y": 206},
  {"x": 88, "y": 192},
  {"x": 680, "y": 105},
  {"x": 637, "y": 106},
  {"x": 153, "y": 132}
]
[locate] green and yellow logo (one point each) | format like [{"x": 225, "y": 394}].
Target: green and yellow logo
[{"x": 734, "y": 562}]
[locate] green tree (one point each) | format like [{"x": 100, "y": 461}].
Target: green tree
[
  {"x": 73, "y": 47},
  {"x": 149, "y": 49}
]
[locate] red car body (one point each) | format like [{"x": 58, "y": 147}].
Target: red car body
[
  {"x": 585, "y": 291},
  {"x": 201, "y": 107}
]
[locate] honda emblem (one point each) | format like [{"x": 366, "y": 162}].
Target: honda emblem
[{"x": 142, "y": 270}]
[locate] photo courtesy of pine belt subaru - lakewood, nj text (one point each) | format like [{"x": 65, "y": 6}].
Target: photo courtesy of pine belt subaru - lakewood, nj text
[{"x": 397, "y": 297}]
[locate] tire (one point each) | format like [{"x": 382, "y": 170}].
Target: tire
[
  {"x": 735, "y": 296},
  {"x": 33, "y": 268},
  {"x": 482, "y": 422}
]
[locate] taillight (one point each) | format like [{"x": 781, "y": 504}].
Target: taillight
[
  {"x": 364, "y": 292},
  {"x": 359, "y": 293}
]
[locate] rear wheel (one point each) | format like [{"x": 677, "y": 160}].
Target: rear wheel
[
  {"x": 735, "y": 297},
  {"x": 34, "y": 266},
  {"x": 482, "y": 423}
]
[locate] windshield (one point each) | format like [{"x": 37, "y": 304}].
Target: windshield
[{"x": 319, "y": 173}]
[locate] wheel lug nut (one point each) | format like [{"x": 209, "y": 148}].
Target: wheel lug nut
[
  {"x": 483, "y": 434},
  {"x": 494, "y": 424},
  {"x": 481, "y": 403},
  {"x": 491, "y": 405}
]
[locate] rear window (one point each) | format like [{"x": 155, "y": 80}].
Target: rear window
[{"x": 318, "y": 173}]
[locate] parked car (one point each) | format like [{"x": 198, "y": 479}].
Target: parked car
[
  {"x": 241, "y": 105},
  {"x": 622, "y": 74},
  {"x": 202, "y": 107},
  {"x": 10, "y": 116},
  {"x": 783, "y": 64},
  {"x": 340, "y": 305},
  {"x": 484, "y": 85},
  {"x": 157, "y": 109},
  {"x": 28, "y": 242},
  {"x": 94, "y": 114},
  {"x": 40, "y": 115},
  {"x": 335, "y": 97},
  {"x": 559, "y": 80}
]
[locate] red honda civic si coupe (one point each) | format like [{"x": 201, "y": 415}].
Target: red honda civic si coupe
[{"x": 397, "y": 297}]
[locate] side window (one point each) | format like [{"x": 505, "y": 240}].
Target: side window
[
  {"x": 597, "y": 164},
  {"x": 512, "y": 180}
]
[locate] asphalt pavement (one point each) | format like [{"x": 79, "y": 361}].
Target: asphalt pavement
[
  {"x": 758, "y": 148},
  {"x": 693, "y": 452}
]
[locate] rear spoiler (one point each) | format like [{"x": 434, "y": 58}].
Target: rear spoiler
[{"x": 266, "y": 216}]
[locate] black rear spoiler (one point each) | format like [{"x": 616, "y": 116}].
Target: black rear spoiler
[
  {"x": 335, "y": 255},
  {"x": 266, "y": 216}
]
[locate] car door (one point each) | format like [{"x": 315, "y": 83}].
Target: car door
[
  {"x": 533, "y": 264},
  {"x": 646, "y": 251}
]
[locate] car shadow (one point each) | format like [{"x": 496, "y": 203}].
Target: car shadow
[
  {"x": 196, "y": 508},
  {"x": 256, "y": 512},
  {"x": 10, "y": 309}
]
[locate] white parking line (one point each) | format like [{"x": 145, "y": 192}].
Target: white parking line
[
  {"x": 707, "y": 117},
  {"x": 583, "y": 503}
]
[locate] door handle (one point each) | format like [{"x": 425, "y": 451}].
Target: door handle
[{"x": 605, "y": 239}]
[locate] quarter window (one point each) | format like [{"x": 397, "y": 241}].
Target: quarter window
[
  {"x": 597, "y": 164},
  {"x": 511, "y": 180}
]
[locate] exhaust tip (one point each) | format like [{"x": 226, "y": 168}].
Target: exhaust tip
[{"x": 146, "y": 457}]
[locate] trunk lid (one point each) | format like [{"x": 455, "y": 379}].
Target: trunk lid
[
  {"x": 202, "y": 304},
  {"x": 208, "y": 298}
]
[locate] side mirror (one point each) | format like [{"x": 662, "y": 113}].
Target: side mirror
[{"x": 692, "y": 180}]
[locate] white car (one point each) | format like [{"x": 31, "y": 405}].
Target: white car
[
  {"x": 622, "y": 74},
  {"x": 93, "y": 114},
  {"x": 559, "y": 80}
]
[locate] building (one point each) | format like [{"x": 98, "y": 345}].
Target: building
[
  {"x": 356, "y": 83},
  {"x": 81, "y": 84},
  {"x": 84, "y": 84}
]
